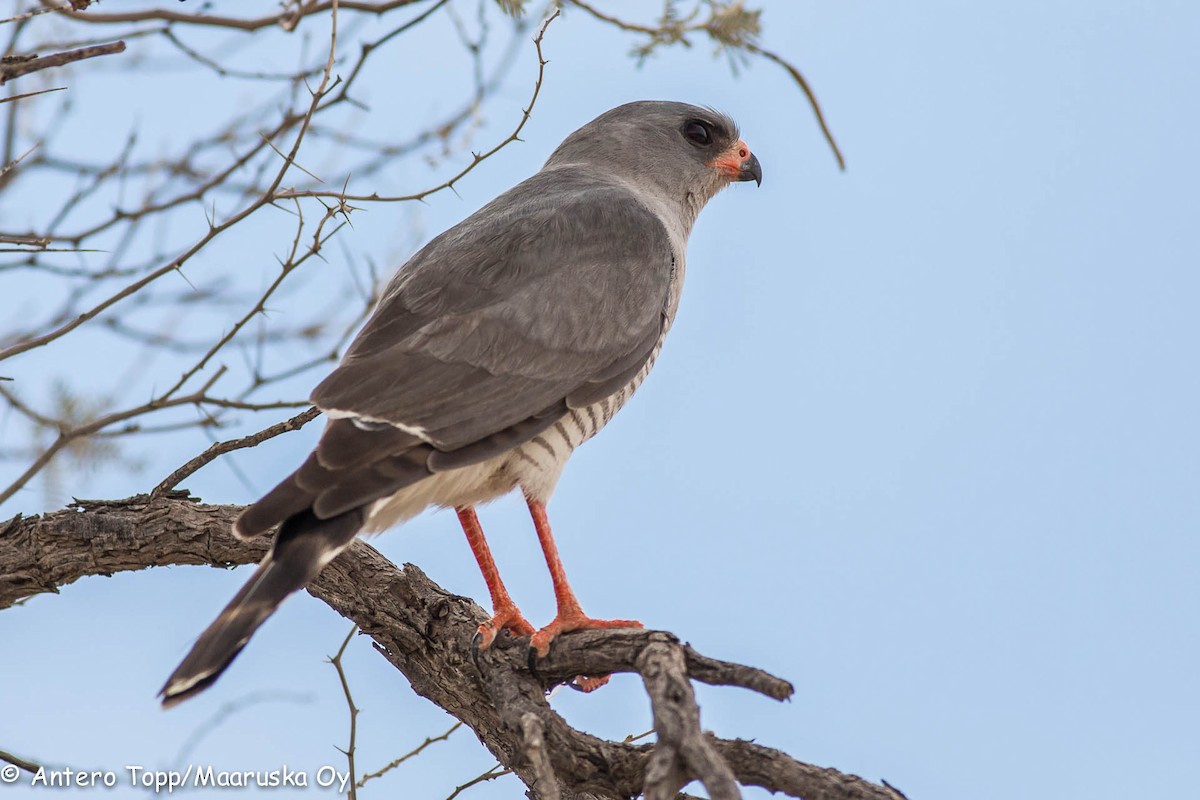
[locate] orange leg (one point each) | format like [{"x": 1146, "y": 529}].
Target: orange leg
[
  {"x": 570, "y": 616},
  {"x": 505, "y": 614}
]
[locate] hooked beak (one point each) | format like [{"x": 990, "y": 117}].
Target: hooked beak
[
  {"x": 739, "y": 164},
  {"x": 750, "y": 169}
]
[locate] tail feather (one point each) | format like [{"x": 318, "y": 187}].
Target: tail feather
[
  {"x": 303, "y": 546},
  {"x": 286, "y": 500}
]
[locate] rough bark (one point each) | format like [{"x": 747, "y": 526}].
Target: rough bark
[{"x": 426, "y": 633}]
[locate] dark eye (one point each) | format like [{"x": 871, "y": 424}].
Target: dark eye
[{"x": 697, "y": 133}]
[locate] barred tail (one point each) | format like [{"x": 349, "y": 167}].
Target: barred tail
[{"x": 303, "y": 546}]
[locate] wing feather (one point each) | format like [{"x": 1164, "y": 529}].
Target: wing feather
[
  {"x": 557, "y": 285},
  {"x": 552, "y": 296}
]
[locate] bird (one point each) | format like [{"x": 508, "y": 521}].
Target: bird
[{"x": 496, "y": 350}]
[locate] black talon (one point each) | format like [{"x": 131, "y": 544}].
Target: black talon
[
  {"x": 475, "y": 642},
  {"x": 532, "y": 660}
]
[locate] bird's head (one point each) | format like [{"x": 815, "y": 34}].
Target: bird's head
[{"x": 678, "y": 149}]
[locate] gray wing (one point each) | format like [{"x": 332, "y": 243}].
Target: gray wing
[
  {"x": 553, "y": 286},
  {"x": 552, "y": 296}
]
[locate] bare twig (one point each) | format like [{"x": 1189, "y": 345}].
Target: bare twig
[
  {"x": 269, "y": 196},
  {"x": 221, "y": 448},
  {"x": 26, "y": 15},
  {"x": 351, "y": 746},
  {"x": 293, "y": 261},
  {"x": 802, "y": 82},
  {"x": 68, "y": 435},
  {"x": 497, "y": 771},
  {"x": 17, "y": 761},
  {"x": 228, "y": 72},
  {"x": 11, "y": 165},
  {"x": 286, "y": 19},
  {"x": 625, "y": 25},
  {"x": 30, "y": 241},
  {"x": 19, "y": 68},
  {"x": 476, "y": 159},
  {"x": 416, "y": 751},
  {"x": 15, "y": 97}
]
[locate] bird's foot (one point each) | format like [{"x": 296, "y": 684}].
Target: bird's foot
[
  {"x": 588, "y": 683},
  {"x": 577, "y": 621},
  {"x": 507, "y": 617}
]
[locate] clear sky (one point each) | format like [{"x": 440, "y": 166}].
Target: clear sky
[{"x": 924, "y": 439}]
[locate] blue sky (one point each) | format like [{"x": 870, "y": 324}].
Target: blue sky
[{"x": 923, "y": 441}]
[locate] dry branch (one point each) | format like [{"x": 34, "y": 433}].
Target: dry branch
[
  {"x": 221, "y": 448},
  {"x": 426, "y": 633},
  {"x": 286, "y": 19},
  {"x": 416, "y": 751},
  {"x": 683, "y": 751},
  {"x": 15, "y": 68},
  {"x": 26, "y": 95}
]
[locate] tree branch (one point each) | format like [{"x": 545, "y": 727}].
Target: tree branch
[
  {"x": 286, "y": 19},
  {"x": 24, "y": 66},
  {"x": 426, "y": 633},
  {"x": 682, "y": 751},
  {"x": 218, "y": 449}
]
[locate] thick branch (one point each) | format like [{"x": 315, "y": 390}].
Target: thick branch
[
  {"x": 682, "y": 752},
  {"x": 426, "y": 633}
]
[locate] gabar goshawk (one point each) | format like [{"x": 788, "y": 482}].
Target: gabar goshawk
[{"x": 495, "y": 351}]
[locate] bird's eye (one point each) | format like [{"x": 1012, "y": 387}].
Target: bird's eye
[{"x": 697, "y": 133}]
